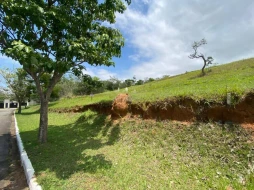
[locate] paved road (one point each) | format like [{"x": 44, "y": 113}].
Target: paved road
[
  {"x": 5, "y": 124},
  {"x": 12, "y": 175}
]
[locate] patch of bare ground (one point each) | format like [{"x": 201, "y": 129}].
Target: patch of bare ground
[
  {"x": 16, "y": 179},
  {"x": 179, "y": 109}
]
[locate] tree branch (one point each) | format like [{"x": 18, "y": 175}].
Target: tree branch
[
  {"x": 56, "y": 77},
  {"x": 41, "y": 38},
  {"x": 36, "y": 80},
  {"x": 77, "y": 63},
  {"x": 50, "y": 3},
  {"x": 13, "y": 36}
]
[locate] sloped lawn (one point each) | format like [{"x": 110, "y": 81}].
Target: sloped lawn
[{"x": 88, "y": 151}]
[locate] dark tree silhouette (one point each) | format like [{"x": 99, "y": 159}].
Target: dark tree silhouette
[{"x": 196, "y": 54}]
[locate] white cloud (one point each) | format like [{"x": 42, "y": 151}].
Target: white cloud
[
  {"x": 164, "y": 33},
  {"x": 101, "y": 73},
  {"x": 161, "y": 32}
]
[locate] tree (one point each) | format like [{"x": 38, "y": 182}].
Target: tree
[
  {"x": 45, "y": 82},
  {"x": 149, "y": 80},
  {"x": 67, "y": 85},
  {"x": 18, "y": 84},
  {"x": 57, "y": 36},
  {"x": 129, "y": 82},
  {"x": 139, "y": 82},
  {"x": 207, "y": 61},
  {"x": 89, "y": 85},
  {"x": 112, "y": 84},
  {"x": 109, "y": 85},
  {"x": 3, "y": 95}
]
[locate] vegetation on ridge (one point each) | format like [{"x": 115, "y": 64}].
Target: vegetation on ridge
[{"x": 236, "y": 78}]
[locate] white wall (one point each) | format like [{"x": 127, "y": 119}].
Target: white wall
[{"x": 6, "y": 101}]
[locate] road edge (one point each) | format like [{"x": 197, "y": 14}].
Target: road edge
[{"x": 25, "y": 161}]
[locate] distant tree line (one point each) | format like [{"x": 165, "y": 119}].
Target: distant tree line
[
  {"x": 22, "y": 88},
  {"x": 87, "y": 85},
  {"x": 71, "y": 85}
]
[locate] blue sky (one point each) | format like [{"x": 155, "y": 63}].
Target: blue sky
[{"x": 159, "y": 34}]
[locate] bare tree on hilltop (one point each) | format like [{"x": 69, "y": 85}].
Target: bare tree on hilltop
[{"x": 196, "y": 54}]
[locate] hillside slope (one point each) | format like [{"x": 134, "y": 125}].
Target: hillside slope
[
  {"x": 236, "y": 78},
  {"x": 89, "y": 150}
]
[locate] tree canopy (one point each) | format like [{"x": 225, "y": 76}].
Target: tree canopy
[{"x": 56, "y": 36}]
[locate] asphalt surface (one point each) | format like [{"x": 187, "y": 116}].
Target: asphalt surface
[
  {"x": 5, "y": 124},
  {"x": 12, "y": 175},
  {"x": 5, "y": 138}
]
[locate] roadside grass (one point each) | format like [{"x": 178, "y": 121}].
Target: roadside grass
[
  {"x": 236, "y": 78},
  {"x": 88, "y": 151}
]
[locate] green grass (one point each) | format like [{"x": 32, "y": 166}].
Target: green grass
[
  {"x": 236, "y": 77},
  {"x": 87, "y": 151}
]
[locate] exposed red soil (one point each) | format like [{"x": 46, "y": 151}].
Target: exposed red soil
[
  {"x": 120, "y": 106},
  {"x": 182, "y": 109}
]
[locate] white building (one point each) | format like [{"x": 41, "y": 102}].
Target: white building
[
  {"x": 8, "y": 104},
  {"x": 14, "y": 104}
]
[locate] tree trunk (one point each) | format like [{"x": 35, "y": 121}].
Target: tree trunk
[
  {"x": 203, "y": 68},
  {"x": 44, "y": 97},
  {"x": 43, "y": 127},
  {"x": 19, "y": 110}
]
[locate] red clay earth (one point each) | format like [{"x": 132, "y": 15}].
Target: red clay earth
[
  {"x": 120, "y": 106},
  {"x": 179, "y": 109}
]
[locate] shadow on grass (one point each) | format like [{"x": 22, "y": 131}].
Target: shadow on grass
[
  {"x": 65, "y": 153},
  {"x": 37, "y": 111},
  {"x": 200, "y": 75},
  {"x": 106, "y": 102},
  {"x": 51, "y": 104}
]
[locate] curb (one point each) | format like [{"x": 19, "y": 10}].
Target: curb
[{"x": 25, "y": 161}]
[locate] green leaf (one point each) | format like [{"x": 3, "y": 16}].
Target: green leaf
[
  {"x": 20, "y": 47},
  {"x": 40, "y": 10},
  {"x": 34, "y": 61},
  {"x": 49, "y": 65},
  {"x": 27, "y": 49}
]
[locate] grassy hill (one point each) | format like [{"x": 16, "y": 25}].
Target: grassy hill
[
  {"x": 236, "y": 77},
  {"x": 89, "y": 151}
]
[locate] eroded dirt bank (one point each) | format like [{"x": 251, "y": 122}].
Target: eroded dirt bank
[{"x": 182, "y": 109}]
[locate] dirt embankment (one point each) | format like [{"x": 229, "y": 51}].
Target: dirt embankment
[{"x": 182, "y": 109}]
